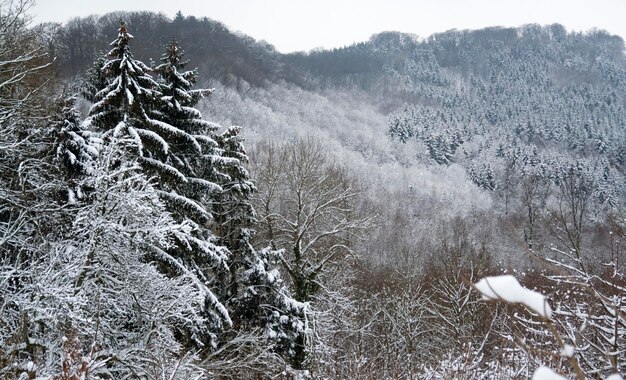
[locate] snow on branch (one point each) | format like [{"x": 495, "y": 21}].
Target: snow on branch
[
  {"x": 208, "y": 185},
  {"x": 185, "y": 203},
  {"x": 163, "y": 168},
  {"x": 506, "y": 288},
  {"x": 154, "y": 137},
  {"x": 173, "y": 131}
]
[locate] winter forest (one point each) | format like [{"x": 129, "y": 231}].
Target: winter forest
[{"x": 181, "y": 201}]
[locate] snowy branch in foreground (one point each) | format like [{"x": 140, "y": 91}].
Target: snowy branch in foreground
[{"x": 506, "y": 288}]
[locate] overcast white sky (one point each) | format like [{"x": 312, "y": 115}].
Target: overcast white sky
[{"x": 296, "y": 25}]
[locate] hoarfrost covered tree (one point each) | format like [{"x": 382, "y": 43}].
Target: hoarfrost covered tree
[
  {"x": 97, "y": 294},
  {"x": 25, "y": 187},
  {"x": 584, "y": 332},
  {"x": 590, "y": 282},
  {"x": 123, "y": 230},
  {"x": 570, "y": 350},
  {"x": 306, "y": 207}
]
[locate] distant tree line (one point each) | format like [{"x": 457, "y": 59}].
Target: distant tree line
[{"x": 216, "y": 51}]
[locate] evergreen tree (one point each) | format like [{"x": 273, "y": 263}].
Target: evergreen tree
[
  {"x": 76, "y": 148},
  {"x": 257, "y": 297},
  {"x": 127, "y": 93},
  {"x": 95, "y": 79},
  {"x": 93, "y": 299},
  {"x": 127, "y": 108},
  {"x": 235, "y": 209},
  {"x": 266, "y": 302},
  {"x": 124, "y": 107},
  {"x": 176, "y": 107}
]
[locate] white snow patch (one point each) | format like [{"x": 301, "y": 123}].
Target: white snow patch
[
  {"x": 508, "y": 289},
  {"x": 545, "y": 373},
  {"x": 567, "y": 351},
  {"x": 615, "y": 376},
  {"x": 130, "y": 97}
]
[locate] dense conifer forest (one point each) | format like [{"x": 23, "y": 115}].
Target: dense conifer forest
[{"x": 179, "y": 201}]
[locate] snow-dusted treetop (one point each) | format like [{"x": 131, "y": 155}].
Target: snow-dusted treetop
[{"x": 506, "y": 288}]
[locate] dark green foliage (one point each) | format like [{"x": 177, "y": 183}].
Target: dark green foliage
[
  {"x": 193, "y": 152},
  {"x": 167, "y": 131},
  {"x": 264, "y": 301},
  {"x": 129, "y": 90},
  {"x": 482, "y": 176},
  {"x": 77, "y": 149},
  {"x": 233, "y": 210},
  {"x": 216, "y": 177}
]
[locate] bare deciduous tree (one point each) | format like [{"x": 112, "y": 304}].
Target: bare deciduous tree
[{"x": 306, "y": 205}]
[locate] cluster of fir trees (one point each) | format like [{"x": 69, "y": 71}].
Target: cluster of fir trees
[{"x": 145, "y": 254}]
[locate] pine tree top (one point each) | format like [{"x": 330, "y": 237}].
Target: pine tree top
[
  {"x": 179, "y": 82},
  {"x": 176, "y": 89},
  {"x": 125, "y": 90},
  {"x": 174, "y": 55},
  {"x": 123, "y": 38}
]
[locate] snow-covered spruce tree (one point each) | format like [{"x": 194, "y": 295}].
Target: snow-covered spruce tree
[
  {"x": 126, "y": 105},
  {"x": 267, "y": 322},
  {"x": 76, "y": 148},
  {"x": 216, "y": 177},
  {"x": 127, "y": 93},
  {"x": 125, "y": 108},
  {"x": 195, "y": 157},
  {"x": 257, "y": 297},
  {"x": 233, "y": 210}
]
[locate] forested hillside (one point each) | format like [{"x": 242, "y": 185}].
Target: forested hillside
[{"x": 180, "y": 201}]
